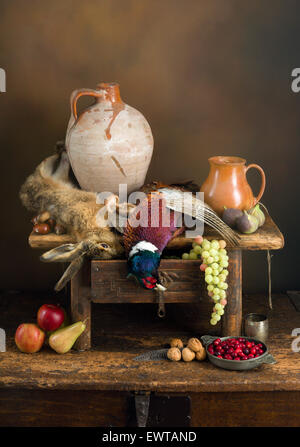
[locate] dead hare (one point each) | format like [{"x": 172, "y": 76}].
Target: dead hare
[{"x": 50, "y": 189}]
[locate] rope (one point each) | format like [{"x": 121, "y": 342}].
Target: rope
[{"x": 269, "y": 279}]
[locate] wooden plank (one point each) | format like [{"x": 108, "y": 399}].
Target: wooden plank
[
  {"x": 81, "y": 304},
  {"x": 122, "y": 332},
  {"x": 255, "y": 409},
  {"x": 232, "y": 319},
  {"x": 295, "y": 298},
  {"x": 268, "y": 237},
  {"x": 57, "y": 408},
  {"x": 80, "y": 408},
  {"x": 48, "y": 241},
  {"x": 109, "y": 283}
]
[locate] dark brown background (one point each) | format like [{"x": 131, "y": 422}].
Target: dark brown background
[{"x": 212, "y": 77}]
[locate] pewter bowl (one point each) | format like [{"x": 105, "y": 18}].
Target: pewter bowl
[{"x": 234, "y": 365}]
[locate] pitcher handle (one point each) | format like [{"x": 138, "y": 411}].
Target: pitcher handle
[
  {"x": 76, "y": 94},
  {"x": 263, "y": 181}
]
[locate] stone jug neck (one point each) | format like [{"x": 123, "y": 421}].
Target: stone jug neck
[{"x": 111, "y": 92}]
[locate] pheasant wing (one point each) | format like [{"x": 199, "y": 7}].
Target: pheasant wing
[{"x": 194, "y": 207}]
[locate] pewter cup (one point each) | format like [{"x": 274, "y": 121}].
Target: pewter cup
[{"x": 257, "y": 326}]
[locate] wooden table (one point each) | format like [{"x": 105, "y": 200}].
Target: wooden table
[
  {"x": 97, "y": 387},
  {"x": 105, "y": 281}
]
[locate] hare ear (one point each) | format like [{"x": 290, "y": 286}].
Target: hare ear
[
  {"x": 65, "y": 253},
  {"x": 69, "y": 273}
]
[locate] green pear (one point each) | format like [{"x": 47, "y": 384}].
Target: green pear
[{"x": 63, "y": 339}]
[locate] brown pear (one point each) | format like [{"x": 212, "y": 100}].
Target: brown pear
[{"x": 63, "y": 339}]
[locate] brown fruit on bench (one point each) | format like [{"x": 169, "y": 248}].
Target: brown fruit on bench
[{"x": 188, "y": 355}]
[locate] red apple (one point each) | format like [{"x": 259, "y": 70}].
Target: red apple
[
  {"x": 29, "y": 337},
  {"x": 50, "y": 317}
]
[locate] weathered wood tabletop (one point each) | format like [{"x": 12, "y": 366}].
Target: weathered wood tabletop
[
  {"x": 95, "y": 387},
  {"x": 125, "y": 331},
  {"x": 267, "y": 237}
]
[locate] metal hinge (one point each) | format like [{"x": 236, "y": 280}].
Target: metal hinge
[{"x": 158, "y": 410}]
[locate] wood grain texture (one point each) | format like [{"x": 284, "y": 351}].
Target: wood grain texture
[
  {"x": 81, "y": 408},
  {"x": 62, "y": 408},
  {"x": 122, "y": 332},
  {"x": 48, "y": 241},
  {"x": 232, "y": 319},
  {"x": 250, "y": 409},
  {"x": 109, "y": 283},
  {"x": 81, "y": 304},
  {"x": 268, "y": 237}
]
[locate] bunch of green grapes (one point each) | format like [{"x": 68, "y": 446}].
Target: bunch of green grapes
[{"x": 214, "y": 265}]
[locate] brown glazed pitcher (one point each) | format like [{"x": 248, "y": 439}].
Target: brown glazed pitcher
[{"x": 227, "y": 186}]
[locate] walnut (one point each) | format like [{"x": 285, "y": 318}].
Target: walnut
[
  {"x": 201, "y": 355},
  {"x": 176, "y": 343},
  {"x": 194, "y": 344},
  {"x": 174, "y": 354},
  {"x": 188, "y": 355}
]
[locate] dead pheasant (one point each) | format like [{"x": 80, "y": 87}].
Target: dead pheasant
[{"x": 155, "y": 222}]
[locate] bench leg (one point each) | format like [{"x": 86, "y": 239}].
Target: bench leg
[
  {"x": 81, "y": 306},
  {"x": 232, "y": 319}
]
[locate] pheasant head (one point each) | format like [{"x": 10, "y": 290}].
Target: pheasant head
[{"x": 143, "y": 263}]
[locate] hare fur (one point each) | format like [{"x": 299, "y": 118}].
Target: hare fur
[{"x": 50, "y": 189}]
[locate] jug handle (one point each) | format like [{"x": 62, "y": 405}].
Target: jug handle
[
  {"x": 263, "y": 181},
  {"x": 76, "y": 94}
]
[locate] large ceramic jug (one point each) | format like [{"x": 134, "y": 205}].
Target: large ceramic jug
[
  {"x": 227, "y": 186},
  {"x": 110, "y": 143}
]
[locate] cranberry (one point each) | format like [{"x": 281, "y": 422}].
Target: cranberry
[
  {"x": 260, "y": 351},
  {"x": 227, "y": 357},
  {"x": 248, "y": 345},
  {"x": 230, "y": 350},
  {"x": 219, "y": 356},
  {"x": 246, "y": 351},
  {"x": 250, "y": 356},
  {"x": 260, "y": 345},
  {"x": 241, "y": 340},
  {"x": 217, "y": 341},
  {"x": 253, "y": 351},
  {"x": 243, "y": 357},
  {"x": 236, "y": 358}
]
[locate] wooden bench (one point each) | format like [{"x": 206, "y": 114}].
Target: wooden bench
[
  {"x": 97, "y": 388},
  {"x": 105, "y": 281}
]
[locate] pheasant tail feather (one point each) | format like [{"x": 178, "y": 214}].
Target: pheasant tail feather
[{"x": 175, "y": 200}]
